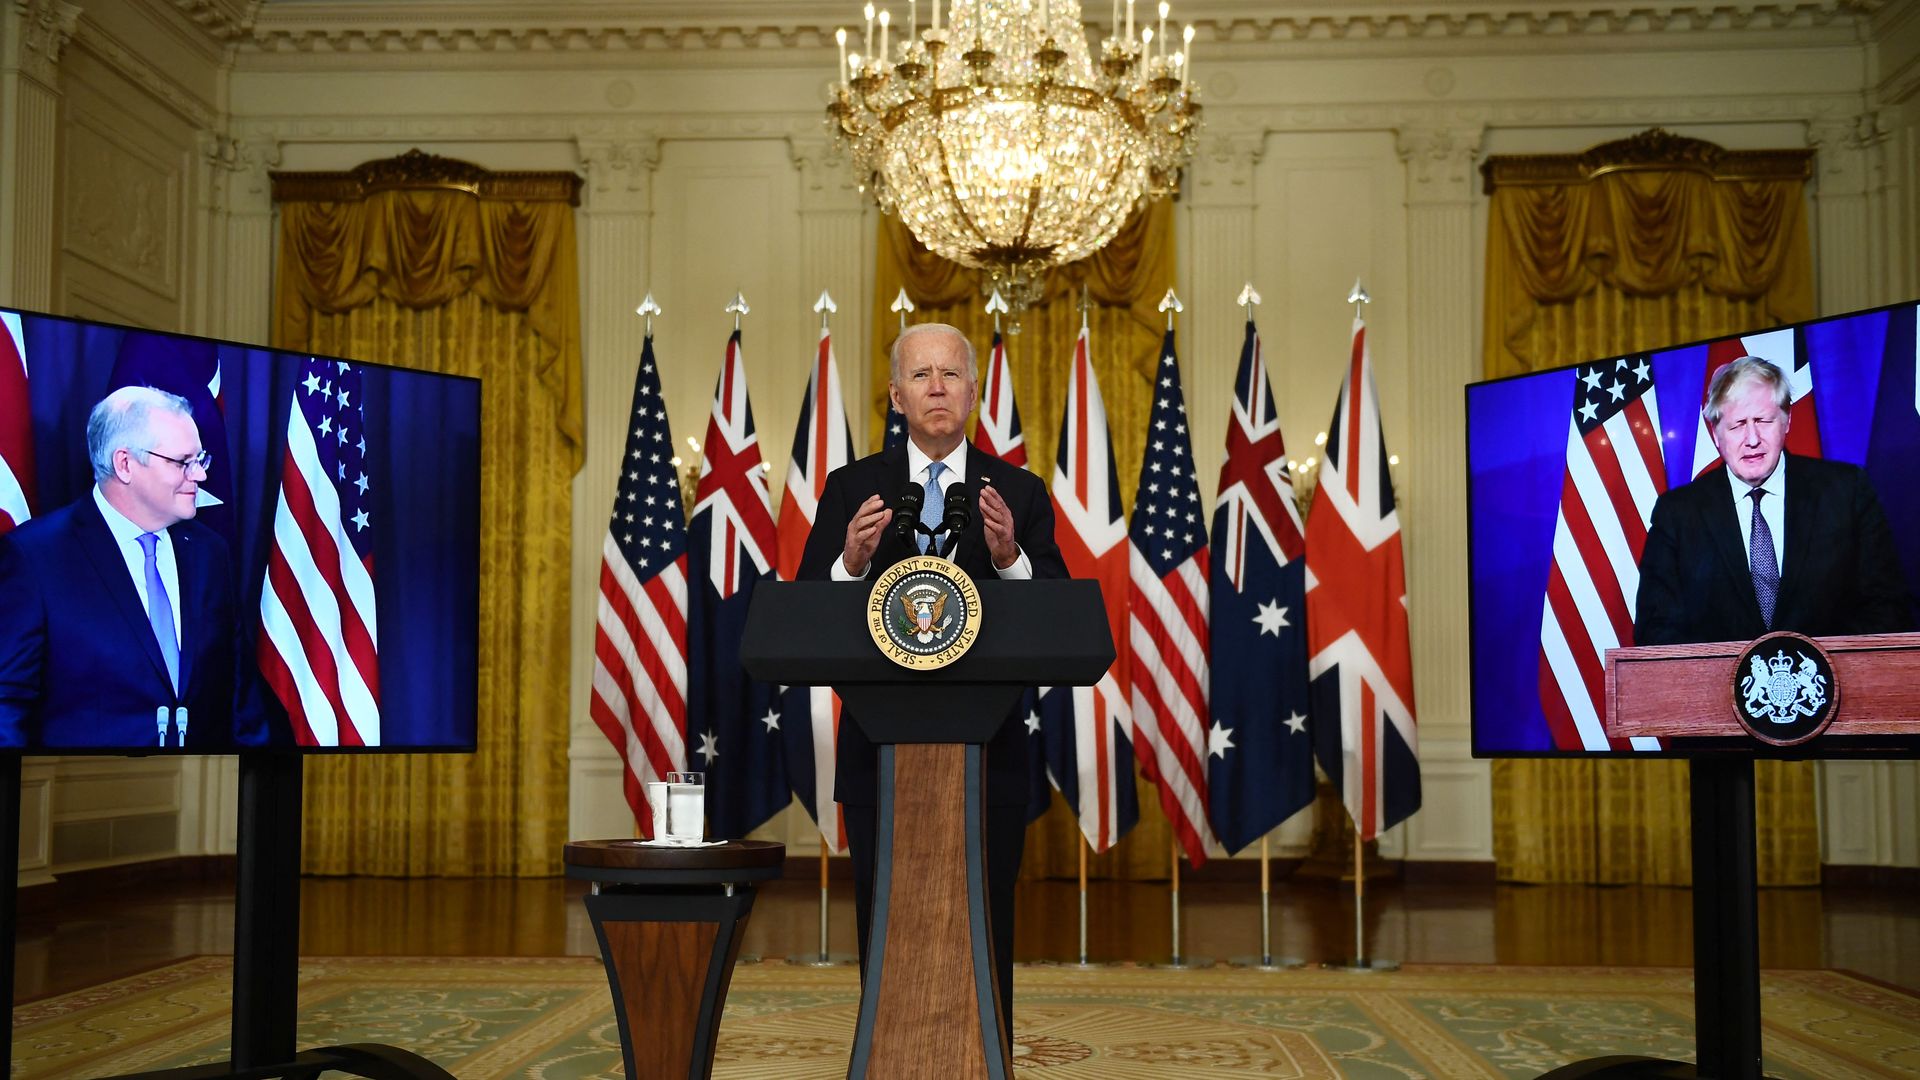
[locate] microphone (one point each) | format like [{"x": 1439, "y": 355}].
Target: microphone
[
  {"x": 959, "y": 512},
  {"x": 906, "y": 512}
]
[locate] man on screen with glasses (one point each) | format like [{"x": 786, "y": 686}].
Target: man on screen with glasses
[{"x": 117, "y": 621}]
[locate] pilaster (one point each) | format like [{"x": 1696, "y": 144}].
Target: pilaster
[
  {"x": 1218, "y": 259},
  {"x": 837, "y": 254},
  {"x": 36, "y": 32},
  {"x": 615, "y": 244},
  {"x": 1442, "y": 359},
  {"x": 1848, "y": 252}
]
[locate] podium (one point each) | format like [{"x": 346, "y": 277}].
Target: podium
[
  {"x": 1687, "y": 692},
  {"x": 929, "y": 1006}
]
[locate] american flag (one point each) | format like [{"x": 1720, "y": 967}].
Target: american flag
[
  {"x": 1357, "y": 645},
  {"x": 998, "y": 432},
  {"x": 1089, "y": 756},
  {"x": 319, "y": 634},
  {"x": 1167, "y": 616},
  {"x": 640, "y": 636},
  {"x": 1787, "y": 350},
  {"x": 1614, "y": 473},
  {"x": 1260, "y": 754},
  {"x": 16, "y": 426},
  {"x": 733, "y": 722},
  {"x": 821, "y": 443}
]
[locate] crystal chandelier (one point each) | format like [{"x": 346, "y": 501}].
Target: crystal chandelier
[{"x": 1001, "y": 144}]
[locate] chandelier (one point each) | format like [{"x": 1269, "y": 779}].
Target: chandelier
[{"x": 1001, "y": 143}]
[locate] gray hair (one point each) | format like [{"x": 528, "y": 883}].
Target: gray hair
[
  {"x": 1746, "y": 370},
  {"x": 123, "y": 421},
  {"x": 917, "y": 329}
]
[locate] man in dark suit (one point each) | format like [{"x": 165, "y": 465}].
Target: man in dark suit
[
  {"x": 1770, "y": 542},
  {"x": 935, "y": 384},
  {"x": 117, "y": 611}
]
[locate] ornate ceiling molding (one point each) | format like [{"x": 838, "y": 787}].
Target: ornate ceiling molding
[
  {"x": 416, "y": 170},
  {"x": 147, "y": 76},
  {"x": 1224, "y": 120},
  {"x": 473, "y": 27}
]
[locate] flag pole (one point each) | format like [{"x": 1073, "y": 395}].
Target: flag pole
[
  {"x": 1266, "y": 961},
  {"x": 1174, "y": 845},
  {"x": 822, "y": 958},
  {"x": 1083, "y": 903}
]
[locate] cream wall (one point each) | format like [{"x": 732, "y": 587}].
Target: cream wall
[{"x": 1338, "y": 144}]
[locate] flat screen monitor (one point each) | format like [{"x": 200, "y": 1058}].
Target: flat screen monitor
[
  {"x": 1562, "y": 463},
  {"x": 207, "y": 546}
]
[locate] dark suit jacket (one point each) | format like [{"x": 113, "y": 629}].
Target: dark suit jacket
[
  {"x": 856, "y": 764},
  {"x": 1841, "y": 571},
  {"x": 79, "y": 665}
]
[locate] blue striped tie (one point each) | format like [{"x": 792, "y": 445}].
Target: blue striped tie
[
  {"x": 160, "y": 610},
  {"x": 934, "y": 506}
]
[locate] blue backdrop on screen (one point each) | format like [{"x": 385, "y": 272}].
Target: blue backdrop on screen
[
  {"x": 1863, "y": 369},
  {"x": 423, "y": 443}
]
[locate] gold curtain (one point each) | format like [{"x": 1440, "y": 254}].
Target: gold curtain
[
  {"x": 440, "y": 266},
  {"x": 1630, "y": 246},
  {"x": 1123, "y": 284}
]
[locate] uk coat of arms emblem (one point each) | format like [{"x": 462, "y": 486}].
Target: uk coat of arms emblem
[{"x": 1784, "y": 691}]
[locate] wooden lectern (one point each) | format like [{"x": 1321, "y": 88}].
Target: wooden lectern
[
  {"x": 929, "y": 1006},
  {"x": 1686, "y": 693}
]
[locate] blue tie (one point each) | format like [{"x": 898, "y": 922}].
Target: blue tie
[
  {"x": 934, "y": 506},
  {"x": 1766, "y": 569},
  {"x": 160, "y": 611}
]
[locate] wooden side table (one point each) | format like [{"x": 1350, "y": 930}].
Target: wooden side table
[{"x": 669, "y": 921}]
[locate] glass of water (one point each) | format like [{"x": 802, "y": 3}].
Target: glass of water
[{"x": 686, "y": 803}]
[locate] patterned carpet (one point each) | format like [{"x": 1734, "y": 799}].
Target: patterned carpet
[{"x": 552, "y": 1018}]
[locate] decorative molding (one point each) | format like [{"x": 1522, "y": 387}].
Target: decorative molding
[
  {"x": 1654, "y": 149},
  {"x": 627, "y": 161},
  {"x": 45, "y": 28},
  {"x": 826, "y": 176},
  {"x": 1222, "y": 171},
  {"x": 222, "y": 21},
  {"x": 1439, "y": 161},
  {"x": 416, "y": 170},
  {"x": 358, "y": 27},
  {"x": 122, "y": 208},
  {"x": 137, "y": 70},
  {"x": 1221, "y": 119}
]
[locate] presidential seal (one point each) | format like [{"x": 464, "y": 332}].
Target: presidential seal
[
  {"x": 1783, "y": 689},
  {"x": 924, "y": 612}
]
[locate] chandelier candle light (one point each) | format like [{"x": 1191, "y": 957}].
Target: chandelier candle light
[{"x": 1001, "y": 141}]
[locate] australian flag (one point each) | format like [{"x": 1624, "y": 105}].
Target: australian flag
[
  {"x": 188, "y": 368},
  {"x": 1259, "y": 751},
  {"x": 733, "y": 722}
]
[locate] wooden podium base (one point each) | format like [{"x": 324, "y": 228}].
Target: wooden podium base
[
  {"x": 669, "y": 922},
  {"x": 930, "y": 1006}
]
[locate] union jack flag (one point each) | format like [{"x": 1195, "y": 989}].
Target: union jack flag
[
  {"x": 1357, "y": 644},
  {"x": 1089, "y": 757},
  {"x": 1787, "y": 350},
  {"x": 640, "y": 637},
  {"x": 822, "y": 442},
  {"x": 998, "y": 432},
  {"x": 1614, "y": 473},
  {"x": 1260, "y": 754},
  {"x": 16, "y": 426},
  {"x": 1167, "y": 616},
  {"x": 319, "y": 634},
  {"x": 733, "y": 722}
]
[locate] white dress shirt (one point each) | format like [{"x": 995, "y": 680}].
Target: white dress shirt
[
  {"x": 126, "y": 538},
  {"x": 918, "y": 465},
  {"x": 1773, "y": 507}
]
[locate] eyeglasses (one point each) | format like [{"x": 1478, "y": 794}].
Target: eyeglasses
[{"x": 202, "y": 460}]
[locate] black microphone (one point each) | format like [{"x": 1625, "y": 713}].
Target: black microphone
[
  {"x": 906, "y": 512},
  {"x": 959, "y": 512}
]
